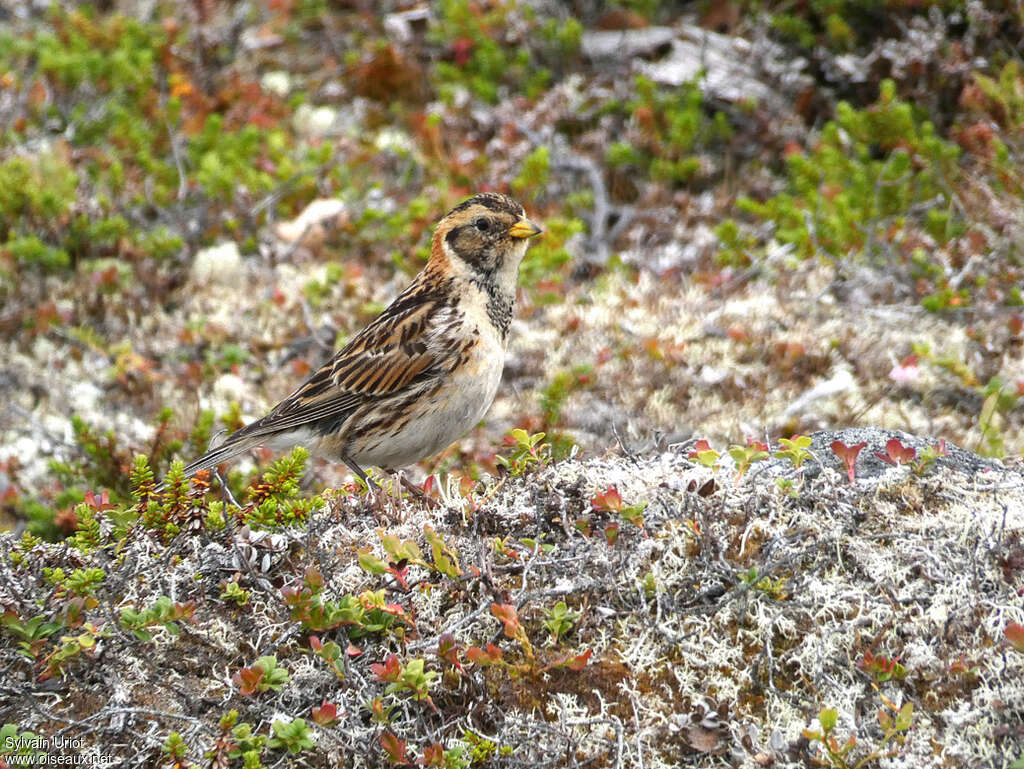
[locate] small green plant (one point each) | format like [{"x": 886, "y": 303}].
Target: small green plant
[
  {"x": 30, "y": 634},
  {"x": 877, "y": 178},
  {"x": 230, "y": 591},
  {"x": 533, "y": 176},
  {"x": 444, "y": 559},
  {"x": 773, "y": 588},
  {"x": 479, "y": 54},
  {"x": 548, "y": 260},
  {"x": 175, "y": 747},
  {"x": 666, "y": 126},
  {"x": 999, "y": 401},
  {"x": 81, "y": 582},
  {"x": 649, "y": 584},
  {"x": 366, "y": 613},
  {"x": 538, "y": 544},
  {"x": 611, "y": 501},
  {"x": 745, "y": 456},
  {"x": 880, "y": 667},
  {"x": 294, "y": 735},
  {"x": 929, "y": 456},
  {"x": 435, "y": 755},
  {"x": 559, "y": 620},
  {"x": 275, "y": 500},
  {"x": 734, "y": 244},
  {"x": 236, "y": 740},
  {"x": 76, "y": 592},
  {"x": 308, "y": 606},
  {"x": 529, "y": 452},
  {"x": 410, "y": 677},
  {"x": 330, "y": 653},
  {"x": 264, "y": 675},
  {"x": 838, "y": 754},
  {"x": 482, "y": 750},
  {"x": 71, "y": 648},
  {"x": 18, "y": 744},
  {"x": 794, "y": 449},
  {"x": 164, "y": 612},
  {"x": 704, "y": 455},
  {"x": 788, "y": 486},
  {"x": 564, "y": 383}
]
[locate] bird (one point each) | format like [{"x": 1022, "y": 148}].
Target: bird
[{"x": 423, "y": 372}]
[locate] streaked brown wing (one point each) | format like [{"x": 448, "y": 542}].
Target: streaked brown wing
[{"x": 398, "y": 350}]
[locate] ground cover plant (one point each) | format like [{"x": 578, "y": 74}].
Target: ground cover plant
[{"x": 762, "y": 220}]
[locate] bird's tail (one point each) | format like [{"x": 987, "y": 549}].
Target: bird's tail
[{"x": 235, "y": 444}]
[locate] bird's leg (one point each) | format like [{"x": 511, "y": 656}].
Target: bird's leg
[
  {"x": 417, "y": 492},
  {"x": 383, "y": 502},
  {"x": 372, "y": 486}
]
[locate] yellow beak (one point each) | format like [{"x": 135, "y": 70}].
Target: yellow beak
[{"x": 524, "y": 228}]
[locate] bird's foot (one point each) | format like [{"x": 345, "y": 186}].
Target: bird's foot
[{"x": 419, "y": 493}]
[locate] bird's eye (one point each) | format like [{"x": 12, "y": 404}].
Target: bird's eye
[{"x": 483, "y": 224}]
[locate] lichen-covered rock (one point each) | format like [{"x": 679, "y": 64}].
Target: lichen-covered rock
[{"x": 657, "y": 610}]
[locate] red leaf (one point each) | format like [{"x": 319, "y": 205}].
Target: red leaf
[
  {"x": 579, "y": 661},
  {"x": 610, "y": 500},
  {"x": 611, "y": 533},
  {"x": 389, "y": 671},
  {"x": 313, "y": 578},
  {"x": 462, "y": 50},
  {"x": 433, "y": 755},
  {"x": 482, "y": 657},
  {"x": 248, "y": 679},
  {"x": 896, "y": 453},
  {"x": 448, "y": 650},
  {"x": 508, "y": 616},
  {"x": 394, "y": 747},
  {"x": 698, "y": 447},
  {"x": 326, "y": 714},
  {"x": 849, "y": 456},
  {"x": 102, "y": 503},
  {"x": 1015, "y": 635},
  {"x": 400, "y": 572}
]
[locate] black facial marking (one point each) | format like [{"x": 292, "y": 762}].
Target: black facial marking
[
  {"x": 499, "y": 305},
  {"x": 479, "y": 244},
  {"x": 475, "y": 247}
]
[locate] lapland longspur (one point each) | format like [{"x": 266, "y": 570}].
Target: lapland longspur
[{"x": 426, "y": 370}]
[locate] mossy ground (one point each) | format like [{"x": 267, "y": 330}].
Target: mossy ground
[{"x": 819, "y": 226}]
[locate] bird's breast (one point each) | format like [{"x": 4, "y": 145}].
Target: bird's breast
[{"x": 457, "y": 401}]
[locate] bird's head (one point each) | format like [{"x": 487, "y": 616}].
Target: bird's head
[{"x": 484, "y": 239}]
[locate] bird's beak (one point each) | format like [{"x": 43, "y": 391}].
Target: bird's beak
[{"x": 524, "y": 228}]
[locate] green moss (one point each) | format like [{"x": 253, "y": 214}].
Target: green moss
[
  {"x": 30, "y": 250},
  {"x": 533, "y": 176},
  {"x": 666, "y": 126},
  {"x": 479, "y": 55},
  {"x": 866, "y": 178},
  {"x": 548, "y": 256}
]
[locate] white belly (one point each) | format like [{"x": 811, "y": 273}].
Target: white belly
[{"x": 442, "y": 418}]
